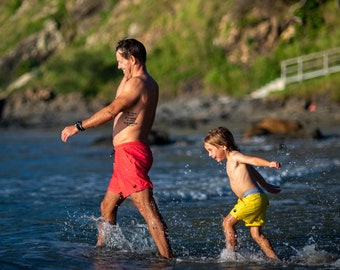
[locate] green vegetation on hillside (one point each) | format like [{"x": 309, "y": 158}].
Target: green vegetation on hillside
[{"x": 189, "y": 43}]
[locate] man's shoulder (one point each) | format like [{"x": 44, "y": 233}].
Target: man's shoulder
[
  {"x": 139, "y": 81},
  {"x": 145, "y": 82}
]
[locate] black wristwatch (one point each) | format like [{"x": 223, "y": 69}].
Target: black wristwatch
[{"x": 79, "y": 126}]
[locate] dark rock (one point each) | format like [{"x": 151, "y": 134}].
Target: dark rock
[{"x": 273, "y": 126}]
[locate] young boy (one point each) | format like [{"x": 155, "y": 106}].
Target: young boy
[{"x": 244, "y": 179}]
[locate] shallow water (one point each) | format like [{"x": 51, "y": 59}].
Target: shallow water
[{"x": 51, "y": 193}]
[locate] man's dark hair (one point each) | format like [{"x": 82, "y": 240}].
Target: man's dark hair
[{"x": 131, "y": 46}]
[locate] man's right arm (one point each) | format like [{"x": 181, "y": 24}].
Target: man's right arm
[
  {"x": 125, "y": 99},
  {"x": 99, "y": 118}
]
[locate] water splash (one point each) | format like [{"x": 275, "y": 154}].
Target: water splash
[
  {"x": 311, "y": 256},
  {"x": 130, "y": 238},
  {"x": 113, "y": 236},
  {"x": 230, "y": 256}
]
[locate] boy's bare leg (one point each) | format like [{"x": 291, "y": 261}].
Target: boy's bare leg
[
  {"x": 230, "y": 232},
  {"x": 146, "y": 205},
  {"x": 108, "y": 209},
  {"x": 263, "y": 242}
]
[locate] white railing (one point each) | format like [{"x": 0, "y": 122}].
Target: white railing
[
  {"x": 310, "y": 66},
  {"x": 302, "y": 68}
]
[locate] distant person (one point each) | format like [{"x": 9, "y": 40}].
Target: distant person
[
  {"x": 244, "y": 179},
  {"x": 133, "y": 112}
]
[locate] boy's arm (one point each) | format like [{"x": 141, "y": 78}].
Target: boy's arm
[
  {"x": 259, "y": 179},
  {"x": 255, "y": 161}
]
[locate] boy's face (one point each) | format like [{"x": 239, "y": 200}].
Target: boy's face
[{"x": 216, "y": 152}]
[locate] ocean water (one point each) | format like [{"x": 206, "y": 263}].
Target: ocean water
[{"x": 51, "y": 191}]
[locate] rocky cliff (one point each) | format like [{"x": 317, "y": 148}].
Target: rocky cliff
[{"x": 38, "y": 31}]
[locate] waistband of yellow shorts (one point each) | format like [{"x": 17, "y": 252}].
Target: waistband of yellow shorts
[{"x": 256, "y": 190}]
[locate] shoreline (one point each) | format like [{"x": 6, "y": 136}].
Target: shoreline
[
  {"x": 181, "y": 116},
  {"x": 202, "y": 113}
]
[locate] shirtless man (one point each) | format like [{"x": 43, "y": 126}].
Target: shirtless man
[
  {"x": 244, "y": 179},
  {"x": 133, "y": 113}
]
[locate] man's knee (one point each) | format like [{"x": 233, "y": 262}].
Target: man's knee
[
  {"x": 105, "y": 212},
  {"x": 109, "y": 206},
  {"x": 103, "y": 207},
  {"x": 144, "y": 202}
]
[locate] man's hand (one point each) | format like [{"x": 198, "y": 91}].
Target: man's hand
[{"x": 68, "y": 132}]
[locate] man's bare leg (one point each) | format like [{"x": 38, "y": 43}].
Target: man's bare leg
[
  {"x": 230, "y": 232},
  {"x": 146, "y": 205},
  {"x": 263, "y": 242},
  {"x": 108, "y": 208}
]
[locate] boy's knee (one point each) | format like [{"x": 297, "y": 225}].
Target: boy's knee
[
  {"x": 228, "y": 222},
  {"x": 257, "y": 237}
]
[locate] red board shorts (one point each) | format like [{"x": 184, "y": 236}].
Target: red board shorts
[{"x": 132, "y": 162}]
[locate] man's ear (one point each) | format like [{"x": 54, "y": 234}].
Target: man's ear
[{"x": 133, "y": 60}]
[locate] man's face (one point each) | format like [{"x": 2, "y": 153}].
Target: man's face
[{"x": 125, "y": 65}]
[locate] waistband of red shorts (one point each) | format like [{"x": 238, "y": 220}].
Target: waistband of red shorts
[{"x": 134, "y": 143}]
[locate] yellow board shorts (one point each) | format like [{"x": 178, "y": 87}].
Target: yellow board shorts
[{"x": 251, "y": 209}]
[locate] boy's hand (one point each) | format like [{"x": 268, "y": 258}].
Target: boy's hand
[
  {"x": 275, "y": 164},
  {"x": 272, "y": 188}
]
